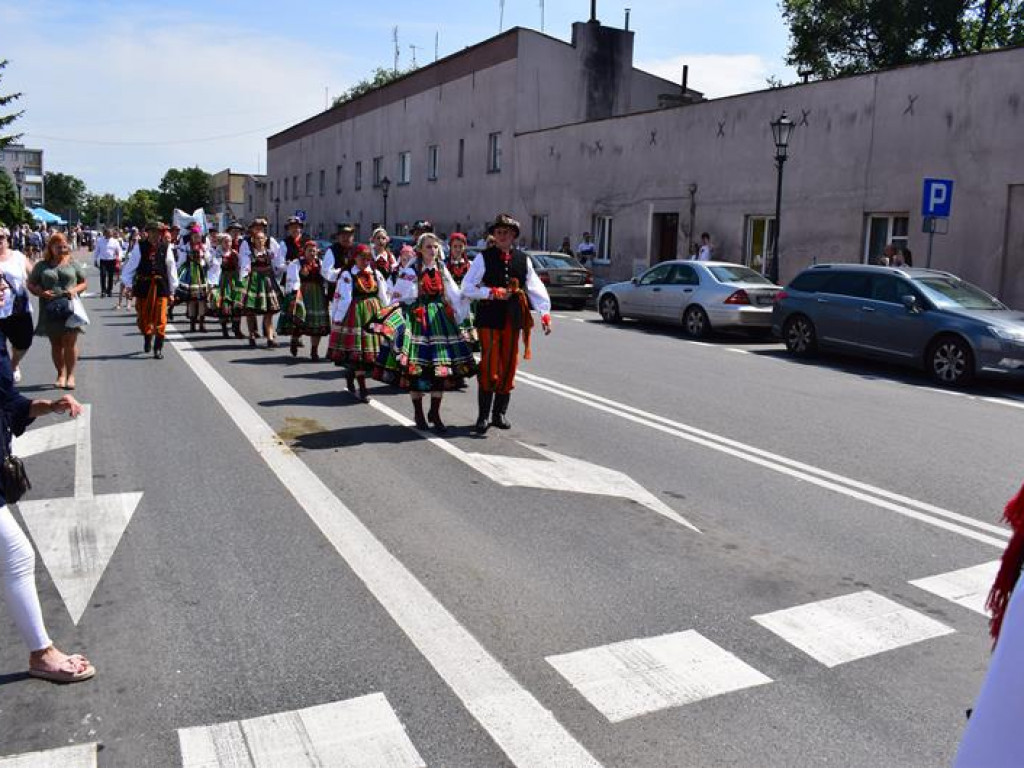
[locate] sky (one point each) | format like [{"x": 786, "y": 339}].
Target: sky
[{"x": 118, "y": 92}]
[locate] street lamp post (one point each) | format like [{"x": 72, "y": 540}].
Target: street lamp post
[
  {"x": 782, "y": 129},
  {"x": 19, "y": 179},
  {"x": 277, "y": 215},
  {"x": 385, "y": 187}
]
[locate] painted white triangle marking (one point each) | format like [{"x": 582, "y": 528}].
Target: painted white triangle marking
[
  {"x": 76, "y": 538},
  {"x": 44, "y": 439},
  {"x": 77, "y": 756}
]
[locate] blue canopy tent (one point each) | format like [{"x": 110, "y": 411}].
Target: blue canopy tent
[{"x": 43, "y": 216}]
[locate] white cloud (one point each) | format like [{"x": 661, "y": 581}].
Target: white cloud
[
  {"x": 714, "y": 74},
  {"x": 158, "y": 81}
]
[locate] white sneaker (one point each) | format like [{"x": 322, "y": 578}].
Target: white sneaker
[{"x": 17, "y": 375}]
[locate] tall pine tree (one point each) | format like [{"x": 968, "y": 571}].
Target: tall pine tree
[{"x": 7, "y": 119}]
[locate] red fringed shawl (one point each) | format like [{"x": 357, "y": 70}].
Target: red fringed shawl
[{"x": 1010, "y": 568}]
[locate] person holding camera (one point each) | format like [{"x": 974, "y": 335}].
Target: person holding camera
[{"x": 56, "y": 279}]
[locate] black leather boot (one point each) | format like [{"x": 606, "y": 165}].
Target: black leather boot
[
  {"x": 417, "y": 408},
  {"x": 158, "y": 348},
  {"x": 364, "y": 394},
  {"x": 498, "y": 416},
  {"x": 483, "y": 400},
  {"x": 434, "y": 416},
  {"x": 147, "y": 344},
  {"x": 350, "y": 382}
]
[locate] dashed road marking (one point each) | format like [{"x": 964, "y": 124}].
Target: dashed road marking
[{"x": 967, "y": 587}]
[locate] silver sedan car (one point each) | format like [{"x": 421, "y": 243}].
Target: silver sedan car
[{"x": 701, "y": 295}]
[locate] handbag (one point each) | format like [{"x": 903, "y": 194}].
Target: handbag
[
  {"x": 59, "y": 309},
  {"x": 13, "y": 477},
  {"x": 78, "y": 317}
]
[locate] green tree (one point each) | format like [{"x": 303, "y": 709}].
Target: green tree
[
  {"x": 378, "y": 79},
  {"x": 184, "y": 188},
  {"x": 11, "y": 210},
  {"x": 141, "y": 207},
  {"x": 64, "y": 192},
  {"x": 829, "y": 38},
  {"x": 7, "y": 119},
  {"x": 100, "y": 209}
]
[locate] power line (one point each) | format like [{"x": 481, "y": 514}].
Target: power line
[{"x": 168, "y": 142}]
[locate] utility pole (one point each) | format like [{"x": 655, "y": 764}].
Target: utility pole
[
  {"x": 541, "y": 15},
  {"x": 437, "y": 43},
  {"x": 414, "y": 48},
  {"x": 394, "y": 38},
  {"x": 501, "y": 15}
]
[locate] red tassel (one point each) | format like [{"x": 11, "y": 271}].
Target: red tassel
[{"x": 1010, "y": 567}]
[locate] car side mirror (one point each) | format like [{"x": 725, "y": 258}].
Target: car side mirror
[
  {"x": 910, "y": 302},
  {"x": 635, "y": 281}
]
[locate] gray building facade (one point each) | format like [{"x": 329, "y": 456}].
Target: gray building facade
[{"x": 30, "y": 161}]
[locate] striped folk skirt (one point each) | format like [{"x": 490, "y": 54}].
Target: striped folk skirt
[
  {"x": 224, "y": 296},
  {"x": 192, "y": 284},
  {"x": 259, "y": 295},
  {"x": 353, "y": 342},
  {"x": 305, "y": 311},
  {"x": 424, "y": 349}
]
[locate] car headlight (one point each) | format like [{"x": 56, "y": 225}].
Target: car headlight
[{"x": 1010, "y": 334}]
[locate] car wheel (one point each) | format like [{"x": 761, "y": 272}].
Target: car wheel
[
  {"x": 950, "y": 361},
  {"x": 696, "y": 323},
  {"x": 800, "y": 336},
  {"x": 609, "y": 309}
]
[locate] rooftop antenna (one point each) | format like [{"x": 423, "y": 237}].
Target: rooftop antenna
[
  {"x": 627, "y": 18},
  {"x": 327, "y": 102},
  {"x": 501, "y": 15},
  {"x": 593, "y": 10},
  {"x": 414, "y": 48},
  {"x": 394, "y": 38},
  {"x": 437, "y": 43},
  {"x": 541, "y": 15}
]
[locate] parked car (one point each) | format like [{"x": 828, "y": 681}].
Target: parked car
[
  {"x": 918, "y": 317},
  {"x": 702, "y": 295},
  {"x": 568, "y": 282}
]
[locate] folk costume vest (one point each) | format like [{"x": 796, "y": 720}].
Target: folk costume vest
[
  {"x": 152, "y": 268},
  {"x": 293, "y": 248},
  {"x": 499, "y": 273}
]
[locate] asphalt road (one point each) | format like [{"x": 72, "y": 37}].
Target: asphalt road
[{"x": 293, "y": 548}]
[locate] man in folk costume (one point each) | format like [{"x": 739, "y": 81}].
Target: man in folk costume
[
  {"x": 992, "y": 739},
  {"x": 339, "y": 255},
  {"x": 152, "y": 274},
  {"x": 503, "y": 282},
  {"x": 293, "y": 241}
]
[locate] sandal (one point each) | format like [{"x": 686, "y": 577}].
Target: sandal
[{"x": 74, "y": 669}]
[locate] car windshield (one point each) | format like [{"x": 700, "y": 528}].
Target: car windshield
[
  {"x": 556, "y": 261},
  {"x": 954, "y": 293},
  {"x": 738, "y": 274}
]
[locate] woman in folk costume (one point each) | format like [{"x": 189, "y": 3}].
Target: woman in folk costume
[
  {"x": 458, "y": 265},
  {"x": 193, "y": 288},
  {"x": 361, "y": 295},
  {"x": 383, "y": 260},
  {"x": 305, "y": 307},
  {"x": 427, "y": 351},
  {"x": 260, "y": 294},
  {"x": 224, "y": 290},
  {"x": 992, "y": 737}
]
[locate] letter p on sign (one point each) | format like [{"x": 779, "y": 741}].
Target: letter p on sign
[{"x": 937, "y": 200}]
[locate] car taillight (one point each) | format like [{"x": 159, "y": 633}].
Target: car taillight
[
  {"x": 780, "y": 296},
  {"x": 590, "y": 277},
  {"x": 739, "y": 297},
  {"x": 544, "y": 278}
]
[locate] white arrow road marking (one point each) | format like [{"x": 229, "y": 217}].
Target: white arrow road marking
[
  {"x": 75, "y": 537},
  {"x": 558, "y": 473}
]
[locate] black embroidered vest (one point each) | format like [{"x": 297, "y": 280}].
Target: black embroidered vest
[{"x": 497, "y": 273}]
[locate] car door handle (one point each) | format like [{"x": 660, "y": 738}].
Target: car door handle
[
  {"x": 656, "y": 290},
  {"x": 867, "y": 309},
  {"x": 823, "y": 301},
  {"x": 687, "y": 290}
]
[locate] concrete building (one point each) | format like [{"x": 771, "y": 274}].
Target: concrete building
[
  {"x": 227, "y": 194},
  {"x": 257, "y": 201},
  {"x": 30, "y": 161},
  {"x": 445, "y": 135}
]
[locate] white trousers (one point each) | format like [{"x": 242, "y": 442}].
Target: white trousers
[
  {"x": 993, "y": 738},
  {"x": 18, "y": 566}
]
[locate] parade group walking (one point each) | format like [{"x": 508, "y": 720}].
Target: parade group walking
[{"x": 413, "y": 320}]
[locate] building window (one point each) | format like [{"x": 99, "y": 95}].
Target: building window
[
  {"x": 494, "y": 153},
  {"x": 539, "y": 232},
  {"x": 323, "y": 182},
  {"x": 337, "y": 178},
  {"x": 285, "y": 195},
  {"x": 359, "y": 174},
  {"x": 432, "y": 157},
  {"x": 462, "y": 156},
  {"x": 602, "y": 229},
  {"x": 295, "y": 187},
  {"x": 760, "y": 236},
  {"x": 249, "y": 205},
  {"x": 309, "y": 183},
  {"x": 271, "y": 190},
  {"x": 885, "y": 229},
  {"x": 378, "y": 170},
  {"x": 404, "y": 167}
]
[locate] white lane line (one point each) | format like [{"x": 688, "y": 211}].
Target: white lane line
[
  {"x": 927, "y": 513},
  {"x": 635, "y": 677},
  {"x": 967, "y": 587},
  {"x": 579, "y": 320},
  {"x": 737, "y": 350},
  {"x": 359, "y": 733},
  {"x": 77, "y": 756},
  {"x": 851, "y": 627},
  {"x": 527, "y": 732}
]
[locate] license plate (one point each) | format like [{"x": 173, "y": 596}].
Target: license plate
[
  {"x": 571, "y": 279},
  {"x": 763, "y": 301}
]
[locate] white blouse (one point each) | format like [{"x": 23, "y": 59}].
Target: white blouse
[{"x": 343, "y": 293}]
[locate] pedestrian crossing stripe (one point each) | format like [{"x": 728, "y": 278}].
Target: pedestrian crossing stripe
[
  {"x": 636, "y": 677},
  {"x": 850, "y": 627},
  {"x": 967, "y": 587},
  {"x": 358, "y": 733},
  {"x": 76, "y": 756}
]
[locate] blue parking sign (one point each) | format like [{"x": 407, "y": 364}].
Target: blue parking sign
[
  {"x": 301, "y": 216},
  {"x": 937, "y": 199}
]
